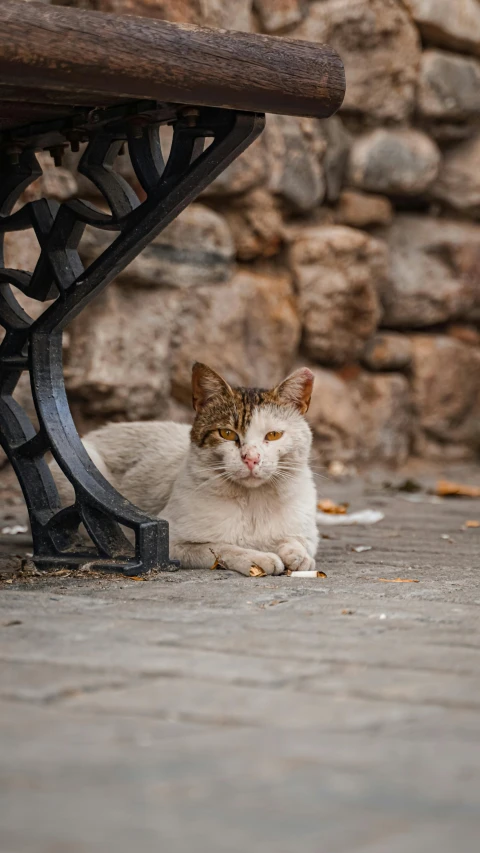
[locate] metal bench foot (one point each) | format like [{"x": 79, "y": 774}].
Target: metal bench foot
[{"x": 36, "y": 346}]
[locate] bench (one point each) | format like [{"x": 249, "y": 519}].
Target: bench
[{"x": 67, "y": 78}]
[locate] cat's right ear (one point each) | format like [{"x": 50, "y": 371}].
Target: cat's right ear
[
  {"x": 296, "y": 390},
  {"x": 207, "y": 384}
]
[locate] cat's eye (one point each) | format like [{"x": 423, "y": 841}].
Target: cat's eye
[
  {"x": 228, "y": 434},
  {"x": 273, "y": 435}
]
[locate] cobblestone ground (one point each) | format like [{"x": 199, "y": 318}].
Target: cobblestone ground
[{"x": 203, "y": 711}]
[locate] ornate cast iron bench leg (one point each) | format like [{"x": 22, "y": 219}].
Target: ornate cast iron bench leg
[{"x": 36, "y": 346}]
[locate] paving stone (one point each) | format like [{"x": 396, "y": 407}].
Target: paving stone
[
  {"x": 368, "y": 793},
  {"x": 207, "y": 711}
]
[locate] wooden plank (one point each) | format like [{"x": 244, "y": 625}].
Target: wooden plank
[{"x": 78, "y": 55}]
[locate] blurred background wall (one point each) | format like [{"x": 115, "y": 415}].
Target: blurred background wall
[{"x": 351, "y": 245}]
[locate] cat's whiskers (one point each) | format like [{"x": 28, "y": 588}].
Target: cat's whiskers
[
  {"x": 291, "y": 471},
  {"x": 209, "y": 480},
  {"x": 208, "y": 471},
  {"x": 316, "y": 469},
  {"x": 281, "y": 478},
  {"x": 197, "y": 469},
  {"x": 301, "y": 469}
]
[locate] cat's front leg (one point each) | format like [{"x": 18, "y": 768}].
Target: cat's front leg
[
  {"x": 202, "y": 556},
  {"x": 295, "y": 556}
]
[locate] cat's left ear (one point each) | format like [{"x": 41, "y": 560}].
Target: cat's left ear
[{"x": 296, "y": 390}]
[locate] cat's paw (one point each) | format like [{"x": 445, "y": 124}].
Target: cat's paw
[
  {"x": 271, "y": 564},
  {"x": 295, "y": 557}
]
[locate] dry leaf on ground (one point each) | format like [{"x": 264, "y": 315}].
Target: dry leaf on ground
[
  {"x": 256, "y": 571},
  {"x": 331, "y": 507},
  {"x": 446, "y": 488},
  {"x": 472, "y": 523},
  {"x": 398, "y": 580},
  {"x": 217, "y": 562}
]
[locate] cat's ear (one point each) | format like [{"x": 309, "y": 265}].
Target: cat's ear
[
  {"x": 207, "y": 384},
  {"x": 296, "y": 390}
]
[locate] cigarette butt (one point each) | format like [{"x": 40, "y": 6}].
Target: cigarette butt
[{"x": 307, "y": 574}]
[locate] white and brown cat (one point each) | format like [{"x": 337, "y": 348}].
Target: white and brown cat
[{"x": 236, "y": 484}]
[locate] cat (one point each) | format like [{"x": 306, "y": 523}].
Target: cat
[{"x": 236, "y": 486}]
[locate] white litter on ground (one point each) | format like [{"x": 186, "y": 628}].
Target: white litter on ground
[
  {"x": 365, "y": 516},
  {"x": 312, "y": 574},
  {"x": 12, "y": 531}
]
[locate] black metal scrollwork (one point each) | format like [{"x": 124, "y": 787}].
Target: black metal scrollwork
[{"x": 36, "y": 345}]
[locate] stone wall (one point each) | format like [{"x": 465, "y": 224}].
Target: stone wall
[{"x": 352, "y": 245}]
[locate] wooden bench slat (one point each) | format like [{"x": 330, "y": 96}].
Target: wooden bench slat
[{"x": 52, "y": 55}]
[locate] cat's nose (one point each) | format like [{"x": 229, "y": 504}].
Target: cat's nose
[{"x": 251, "y": 458}]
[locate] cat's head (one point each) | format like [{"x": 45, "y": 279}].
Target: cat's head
[{"x": 249, "y": 435}]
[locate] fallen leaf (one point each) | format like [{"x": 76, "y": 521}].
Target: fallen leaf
[
  {"x": 359, "y": 549},
  {"x": 398, "y": 580},
  {"x": 348, "y": 612},
  {"x": 218, "y": 563},
  {"x": 445, "y": 488},
  {"x": 472, "y": 524},
  {"x": 135, "y": 578},
  {"x": 332, "y": 508},
  {"x": 257, "y": 572},
  {"x": 12, "y": 623}
]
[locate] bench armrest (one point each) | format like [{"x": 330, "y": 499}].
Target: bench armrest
[{"x": 56, "y": 55}]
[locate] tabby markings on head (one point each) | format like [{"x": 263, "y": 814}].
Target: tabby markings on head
[
  {"x": 219, "y": 406},
  {"x": 232, "y": 411}
]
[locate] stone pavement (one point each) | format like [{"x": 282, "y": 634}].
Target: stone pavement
[{"x": 203, "y": 711}]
